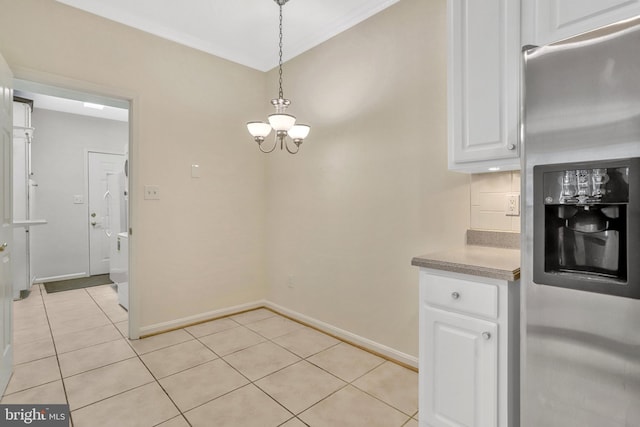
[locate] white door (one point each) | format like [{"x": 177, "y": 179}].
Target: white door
[
  {"x": 100, "y": 166},
  {"x": 460, "y": 385},
  {"x": 6, "y": 232}
]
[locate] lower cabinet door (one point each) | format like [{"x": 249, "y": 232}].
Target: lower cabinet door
[{"x": 458, "y": 370}]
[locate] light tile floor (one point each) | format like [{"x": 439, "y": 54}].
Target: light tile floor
[{"x": 251, "y": 369}]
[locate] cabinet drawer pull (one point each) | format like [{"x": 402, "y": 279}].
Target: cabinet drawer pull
[
  {"x": 455, "y": 295},
  {"x": 486, "y": 335}
]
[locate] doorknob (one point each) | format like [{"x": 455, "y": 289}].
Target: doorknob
[{"x": 3, "y": 246}]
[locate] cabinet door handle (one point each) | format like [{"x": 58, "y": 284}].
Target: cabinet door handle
[
  {"x": 455, "y": 295},
  {"x": 3, "y": 246},
  {"x": 511, "y": 147},
  {"x": 486, "y": 335}
]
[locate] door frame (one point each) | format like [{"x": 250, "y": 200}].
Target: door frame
[{"x": 39, "y": 81}]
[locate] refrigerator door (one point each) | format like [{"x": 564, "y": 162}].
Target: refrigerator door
[{"x": 580, "y": 350}]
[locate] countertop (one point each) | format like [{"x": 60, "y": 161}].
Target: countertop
[{"x": 484, "y": 261}]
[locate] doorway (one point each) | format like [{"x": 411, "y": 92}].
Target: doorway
[{"x": 72, "y": 129}]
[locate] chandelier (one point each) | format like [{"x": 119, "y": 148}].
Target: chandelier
[{"x": 283, "y": 124}]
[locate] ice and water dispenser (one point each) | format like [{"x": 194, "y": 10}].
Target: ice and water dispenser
[{"x": 587, "y": 226}]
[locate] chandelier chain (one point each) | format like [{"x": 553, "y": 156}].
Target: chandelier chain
[
  {"x": 280, "y": 93},
  {"x": 284, "y": 125}
]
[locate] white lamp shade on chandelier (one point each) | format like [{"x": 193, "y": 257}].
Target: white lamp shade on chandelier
[
  {"x": 283, "y": 124},
  {"x": 299, "y": 132},
  {"x": 259, "y": 129},
  {"x": 282, "y": 121}
]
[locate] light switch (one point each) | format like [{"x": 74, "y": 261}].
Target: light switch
[
  {"x": 152, "y": 192},
  {"x": 78, "y": 199},
  {"x": 195, "y": 171}
]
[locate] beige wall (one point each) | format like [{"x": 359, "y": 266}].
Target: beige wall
[
  {"x": 201, "y": 246},
  {"x": 488, "y": 201},
  {"x": 370, "y": 187},
  {"x": 329, "y": 233}
]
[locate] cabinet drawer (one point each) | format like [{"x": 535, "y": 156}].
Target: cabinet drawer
[{"x": 462, "y": 295}]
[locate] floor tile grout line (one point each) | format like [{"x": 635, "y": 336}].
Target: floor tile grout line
[
  {"x": 406, "y": 423},
  {"x": 274, "y": 399},
  {"x": 348, "y": 382},
  {"x": 183, "y": 370},
  {"x": 63, "y": 378},
  {"x": 109, "y": 397},
  {"x": 96, "y": 344},
  {"x": 162, "y": 348},
  {"x": 102, "y": 309},
  {"x": 249, "y": 381},
  {"x": 106, "y": 342},
  {"x": 34, "y": 360},
  {"x": 55, "y": 349},
  {"x": 215, "y": 398},
  {"x": 376, "y": 397},
  {"x": 253, "y": 382},
  {"x": 180, "y": 415},
  {"x": 293, "y": 418},
  {"x": 162, "y": 388},
  {"x": 98, "y": 367},
  {"x": 138, "y": 356},
  {"x": 379, "y": 399}
]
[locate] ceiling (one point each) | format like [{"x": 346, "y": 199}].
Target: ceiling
[
  {"x": 73, "y": 106},
  {"x": 242, "y": 31}
]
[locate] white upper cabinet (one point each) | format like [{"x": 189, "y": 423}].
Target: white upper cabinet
[
  {"x": 483, "y": 84},
  {"x": 547, "y": 21}
]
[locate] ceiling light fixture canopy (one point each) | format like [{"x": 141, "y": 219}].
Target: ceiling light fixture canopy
[{"x": 283, "y": 124}]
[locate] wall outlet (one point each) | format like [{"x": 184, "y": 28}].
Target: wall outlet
[
  {"x": 152, "y": 192},
  {"x": 512, "y": 207}
]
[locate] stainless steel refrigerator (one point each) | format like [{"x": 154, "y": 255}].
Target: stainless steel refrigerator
[{"x": 581, "y": 224}]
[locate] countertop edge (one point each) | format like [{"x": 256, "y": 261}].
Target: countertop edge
[{"x": 474, "y": 270}]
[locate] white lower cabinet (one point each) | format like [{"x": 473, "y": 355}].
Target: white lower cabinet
[{"x": 468, "y": 351}]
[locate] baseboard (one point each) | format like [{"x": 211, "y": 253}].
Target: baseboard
[
  {"x": 350, "y": 337},
  {"x": 198, "y": 318},
  {"x": 365, "y": 343},
  {"x": 59, "y": 278}
]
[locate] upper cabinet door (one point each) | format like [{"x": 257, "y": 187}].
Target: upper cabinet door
[
  {"x": 547, "y": 21},
  {"x": 483, "y": 84}
]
